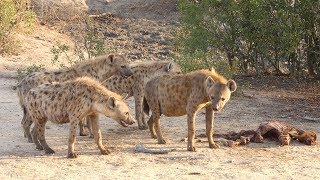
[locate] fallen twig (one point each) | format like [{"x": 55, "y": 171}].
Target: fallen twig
[
  {"x": 141, "y": 149},
  {"x": 247, "y": 95},
  {"x": 311, "y": 107},
  {"x": 100, "y": 15},
  {"x": 228, "y": 143},
  {"x": 196, "y": 139},
  {"x": 311, "y": 119},
  {"x": 182, "y": 157}
]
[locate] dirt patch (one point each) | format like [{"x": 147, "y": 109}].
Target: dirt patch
[
  {"x": 158, "y": 10},
  {"x": 35, "y": 49}
]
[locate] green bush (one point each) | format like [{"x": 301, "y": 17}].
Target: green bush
[
  {"x": 200, "y": 60},
  {"x": 88, "y": 42},
  {"x": 194, "y": 61},
  {"x": 57, "y": 50},
  {"x": 15, "y": 16},
  {"x": 255, "y": 36}
]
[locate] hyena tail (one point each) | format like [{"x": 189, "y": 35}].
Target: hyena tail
[
  {"x": 24, "y": 109},
  {"x": 146, "y": 107}
]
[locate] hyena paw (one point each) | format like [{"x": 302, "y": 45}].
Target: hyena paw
[
  {"x": 72, "y": 155},
  {"x": 105, "y": 152},
  {"x": 49, "y": 151},
  {"x": 143, "y": 127},
  {"x": 83, "y": 134},
  {"x": 30, "y": 140},
  {"x": 153, "y": 136},
  {"x": 214, "y": 146},
  {"x": 162, "y": 141},
  {"x": 39, "y": 148},
  {"x": 91, "y": 136},
  {"x": 191, "y": 148}
]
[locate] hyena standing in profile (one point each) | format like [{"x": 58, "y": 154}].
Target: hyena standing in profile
[
  {"x": 99, "y": 68},
  {"x": 71, "y": 101},
  {"x": 135, "y": 84},
  {"x": 177, "y": 95}
]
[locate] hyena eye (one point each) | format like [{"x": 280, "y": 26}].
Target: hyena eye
[
  {"x": 123, "y": 66},
  {"x": 212, "y": 97},
  {"x": 222, "y": 99},
  {"x": 127, "y": 113}
]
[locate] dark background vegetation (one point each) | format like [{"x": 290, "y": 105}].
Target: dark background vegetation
[
  {"x": 256, "y": 36},
  {"x": 252, "y": 37}
]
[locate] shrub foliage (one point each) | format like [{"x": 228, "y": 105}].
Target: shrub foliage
[{"x": 255, "y": 36}]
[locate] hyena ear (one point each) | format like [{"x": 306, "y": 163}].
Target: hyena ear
[
  {"x": 209, "y": 83},
  {"x": 111, "y": 102},
  {"x": 124, "y": 95},
  {"x": 111, "y": 59},
  {"x": 213, "y": 70},
  {"x": 169, "y": 67},
  {"x": 231, "y": 84}
]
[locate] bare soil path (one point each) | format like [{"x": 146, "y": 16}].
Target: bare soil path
[{"x": 19, "y": 159}]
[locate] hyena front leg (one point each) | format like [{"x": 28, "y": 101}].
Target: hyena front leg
[
  {"x": 209, "y": 126},
  {"x": 97, "y": 135},
  {"x": 191, "y": 130},
  {"x": 191, "y": 114}
]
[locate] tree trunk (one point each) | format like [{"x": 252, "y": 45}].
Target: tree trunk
[{"x": 230, "y": 57}]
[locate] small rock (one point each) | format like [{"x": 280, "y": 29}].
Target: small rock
[
  {"x": 194, "y": 173},
  {"x": 230, "y": 161},
  {"x": 110, "y": 34}
]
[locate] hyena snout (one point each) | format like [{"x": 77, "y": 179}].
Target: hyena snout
[
  {"x": 128, "y": 121},
  {"x": 310, "y": 142},
  {"x": 126, "y": 71},
  {"x": 215, "y": 107},
  {"x": 131, "y": 120}
]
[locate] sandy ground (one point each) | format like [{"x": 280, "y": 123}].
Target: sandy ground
[{"x": 19, "y": 159}]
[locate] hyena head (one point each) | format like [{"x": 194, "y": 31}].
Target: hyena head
[
  {"x": 310, "y": 138},
  {"x": 169, "y": 68},
  {"x": 219, "y": 93},
  {"x": 120, "y": 64},
  {"x": 172, "y": 68},
  {"x": 116, "y": 109}
]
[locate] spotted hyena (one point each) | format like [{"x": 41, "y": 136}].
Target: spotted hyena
[
  {"x": 177, "y": 95},
  {"x": 70, "y": 102},
  {"x": 134, "y": 85},
  {"x": 99, "y": 68}
]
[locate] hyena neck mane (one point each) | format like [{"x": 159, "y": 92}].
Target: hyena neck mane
[
  {"x": 97, "y": 68},
  {"x": 213, "y": 74},
  {"x": 94, "y": 87},
  {"x": 149, "y": 66}
]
